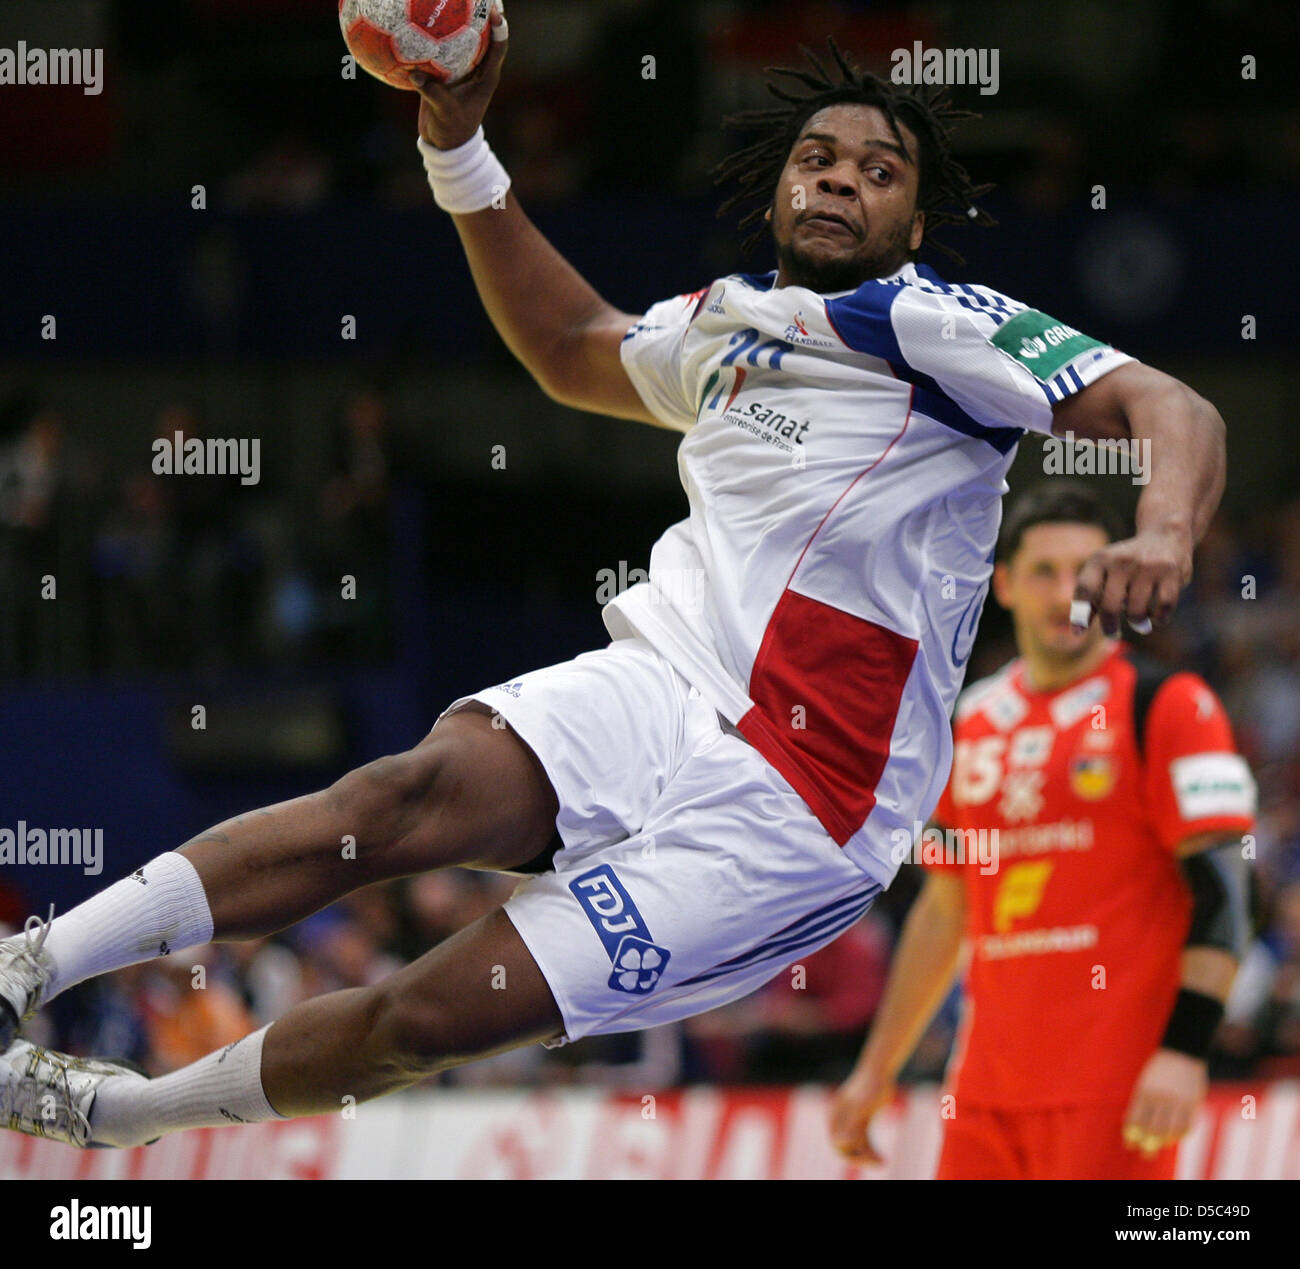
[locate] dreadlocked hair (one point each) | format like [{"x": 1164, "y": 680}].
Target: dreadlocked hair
[{"x": 945, "y": 192}]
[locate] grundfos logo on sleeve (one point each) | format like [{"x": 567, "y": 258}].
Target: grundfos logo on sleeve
[
  {"x": 1041, "y": 344},
  {"x": 638, "y": 961}
]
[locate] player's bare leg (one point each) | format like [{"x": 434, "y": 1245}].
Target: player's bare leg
[
  {"x": 470, "y": 794},
  {"x": 476, "y": 994}
]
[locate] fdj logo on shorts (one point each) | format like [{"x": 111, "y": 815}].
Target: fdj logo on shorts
[{"x": 638, "y": 962}]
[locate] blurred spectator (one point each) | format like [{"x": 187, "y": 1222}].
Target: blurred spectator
[
  {"x": 438, "y": 904},
  {"x": 187, "y": 1015},
  {"x": 353, "y": 536},
  {"x": 808, "y": 1022},
  {"x": 135, "y": 587},
  {"x": 269, "y": 977},
  {"x": 292, "y": 174},
  {"x": 1261, "y": 1029},
  {"x": 374, "y": 908},
  {"x": 30, "y": 473},
  {"x": 217, "y": 561},
  {"x": 544, "y": 164},
  {"x": 103, "y": 1017},
  {"x": 339, "y": 952},
  {"x": 43, "y": 507}
]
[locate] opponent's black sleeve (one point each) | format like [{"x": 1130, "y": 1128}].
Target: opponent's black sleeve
[{"x": 1222, "y": 881}]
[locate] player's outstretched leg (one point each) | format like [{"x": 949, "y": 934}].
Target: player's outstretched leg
[
  {"x": 478, "y": 993},
  {"x": 471, "y": 793}
]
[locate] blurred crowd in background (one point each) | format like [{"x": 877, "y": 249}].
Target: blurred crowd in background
[
  {"x": 208, "y": 576},
  {"x": 201, "y": 574},
  {"x": 573, "y": 114}
]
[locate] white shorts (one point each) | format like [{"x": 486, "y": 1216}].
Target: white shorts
[{"x": 691, "y": 872}]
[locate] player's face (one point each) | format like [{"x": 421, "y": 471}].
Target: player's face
[
  {"x": 845, "y": 206},
  {"x": 1037, "y": 584}
]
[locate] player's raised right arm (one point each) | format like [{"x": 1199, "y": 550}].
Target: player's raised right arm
[{"x": 564, "y": 333}]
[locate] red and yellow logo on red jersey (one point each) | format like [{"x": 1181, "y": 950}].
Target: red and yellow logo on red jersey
[{"x": 1092, "y": 775}]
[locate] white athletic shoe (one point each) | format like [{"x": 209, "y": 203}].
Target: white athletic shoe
[
  {"x": 49, "y": 1094},
  {"x": 24, "y": 975}
]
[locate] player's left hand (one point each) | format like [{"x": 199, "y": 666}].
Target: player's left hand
[
  {"x": 1165, "y": 1100},
  {"x": 856, "y": 1103},
  {"x": 1138, "y": 578}
]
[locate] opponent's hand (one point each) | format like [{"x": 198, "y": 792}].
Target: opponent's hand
[
  {"x": 1166, "y": 1098},
  {"x": 450, "y": 115},
  {"x": 1139, "y": 578},
  {"x": 855, "y": 1105}
]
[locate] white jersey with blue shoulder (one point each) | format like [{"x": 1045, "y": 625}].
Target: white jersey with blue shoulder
[{"x": 844, "y": 459}]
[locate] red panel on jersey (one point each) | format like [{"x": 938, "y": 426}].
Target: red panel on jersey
[{"x": 826, "y": 687}]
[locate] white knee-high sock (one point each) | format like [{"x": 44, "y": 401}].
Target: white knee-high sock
[
  {"x": 157, "y": 909},
  {"x": 222, "y": 1088}
]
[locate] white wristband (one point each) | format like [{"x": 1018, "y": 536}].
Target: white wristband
[{"x": 466, "y": 179}]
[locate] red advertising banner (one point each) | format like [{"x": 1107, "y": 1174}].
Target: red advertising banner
[{"x": 1246, "y": 1131}]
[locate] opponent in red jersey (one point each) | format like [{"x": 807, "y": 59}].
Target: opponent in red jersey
[{"x": 1092, "y": 858}]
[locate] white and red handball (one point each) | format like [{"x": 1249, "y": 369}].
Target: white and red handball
[{"x": 445, "y": 39}]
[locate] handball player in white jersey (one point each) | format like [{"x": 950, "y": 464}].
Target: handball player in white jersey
[{"x": 713, "y": 795}]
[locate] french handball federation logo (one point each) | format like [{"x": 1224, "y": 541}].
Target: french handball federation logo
[
  {"x": 638, "y": 961},
  {"x": 798, "y": 333}
]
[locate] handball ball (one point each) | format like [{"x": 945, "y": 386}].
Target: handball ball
[{"x": 445, "y": 39}]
